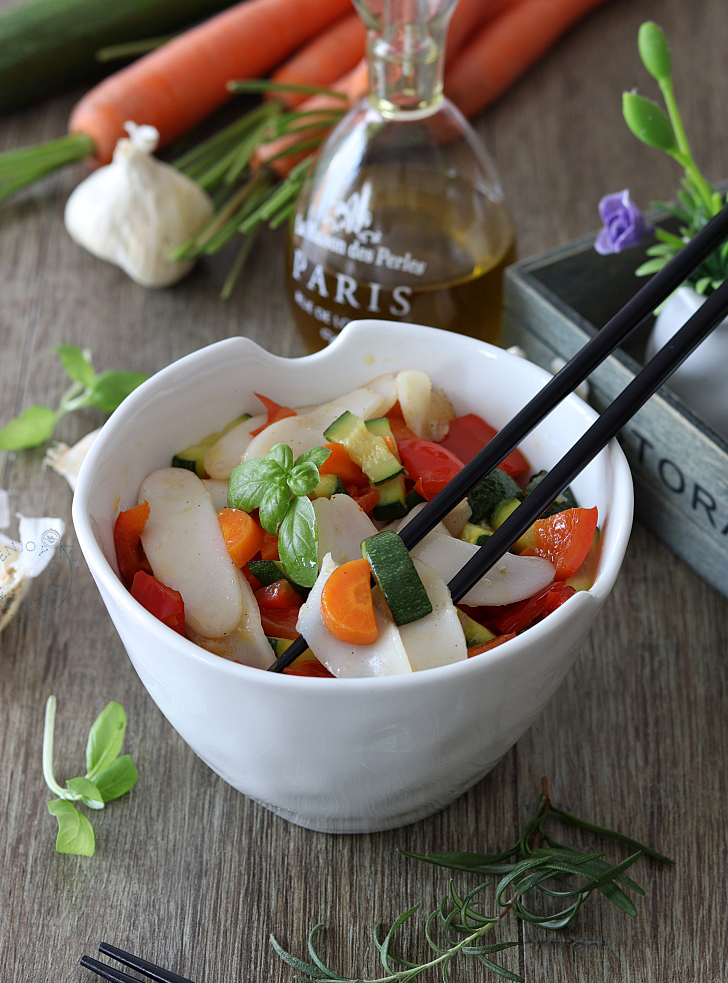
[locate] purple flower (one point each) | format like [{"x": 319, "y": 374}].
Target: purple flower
[{"x": 624, "y": 224}]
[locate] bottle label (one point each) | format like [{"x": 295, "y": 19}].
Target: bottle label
[{"x": 333, "y": 298}]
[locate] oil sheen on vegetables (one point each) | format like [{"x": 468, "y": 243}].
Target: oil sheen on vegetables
[{"x": 400, "y": 247}]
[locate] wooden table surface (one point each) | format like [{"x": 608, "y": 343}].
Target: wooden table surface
[{"x": 188, "y": 870}]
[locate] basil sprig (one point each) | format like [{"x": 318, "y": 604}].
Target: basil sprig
[
  {"x": 101, "y": 390},
  {"x": 108, "y": 776},
  {"x": 277, "y": 486}
]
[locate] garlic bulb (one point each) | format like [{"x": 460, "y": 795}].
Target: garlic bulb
[{"x": 136, "y": 210}]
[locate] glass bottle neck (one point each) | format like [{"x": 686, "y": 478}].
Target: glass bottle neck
[{"x": 406, "y": 56}]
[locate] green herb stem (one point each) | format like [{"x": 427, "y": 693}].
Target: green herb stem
[
  {"x": 48, "y": 735},
  {"x": 18, "y": 168},
  {"x": 574, "y": 876}
]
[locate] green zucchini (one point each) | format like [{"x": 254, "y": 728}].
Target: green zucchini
[
  {"x": 280, "y": 645},
  {"x": 475, "y": 633},
  {"x": 413, "y": 498},
  {"x": 366, "y": 449},
  {"x": 501, "y": 512},
  {"x": 397, "y": 577},
  {"x": 329, "y": 484},
  {"x": 270, "y": 572},
  {"x": 48, "y": 44},
  {"x": 391, "y": 504},
  {"x": 565, "y": 500},
  {"x": 193, "y": 457},
  {"x": 476, "y": 534},
  {"x": 490, "y": 490}
]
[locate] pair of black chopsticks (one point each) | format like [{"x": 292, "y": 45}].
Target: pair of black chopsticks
[
  {"x": 647, "y": 382},
  {"x": 142, "y": 966}
]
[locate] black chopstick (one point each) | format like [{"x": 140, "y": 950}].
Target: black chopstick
[
  {"x": 604, "y": 342},
  {"x": 143, "y": 966},
  {"x": 612, "y": 420}
]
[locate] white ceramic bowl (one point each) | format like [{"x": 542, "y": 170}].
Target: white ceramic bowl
[{"x": 347, "y": 755}]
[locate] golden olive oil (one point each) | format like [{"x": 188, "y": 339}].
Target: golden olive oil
[{"x": 400, "y": 246}]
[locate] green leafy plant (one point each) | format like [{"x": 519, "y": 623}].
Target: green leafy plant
[
  {"x": 101, "y": 390},
  {"x": 109, "y": 775},
  {"x": 698, "y": 201},
  {"x": 536, "y": 864},
  {"x": 278, "y": 487}
]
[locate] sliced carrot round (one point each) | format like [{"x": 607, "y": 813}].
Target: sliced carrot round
[{"x": 346, "y": 604}]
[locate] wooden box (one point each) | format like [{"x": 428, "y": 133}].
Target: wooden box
[{"x": 554, "y": 304}]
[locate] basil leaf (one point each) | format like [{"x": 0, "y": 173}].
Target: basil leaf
[
  {"x": 117, "y": 779},
  {"x": 75, "y": 834},
  {"x": 105, "y": 739},
  {"x": 297, "y": 542},
  {"x": 112, "y": 388},
  {"x": 248, "y": 484},
  {"x": 303, "y": 478},
  {"x": 76, "y": 365},
  {"x": 29, "y": 429},
  {"x": 274, "y": 504},
  {"x": 316, "y": 454},
  {"x": 85, "y": 790},
  {"x": 282, "y": 455}
]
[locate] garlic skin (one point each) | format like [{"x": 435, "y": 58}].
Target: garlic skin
[
  {"x": 136, "y": 210},
  {"x": 66, "y": 460}
]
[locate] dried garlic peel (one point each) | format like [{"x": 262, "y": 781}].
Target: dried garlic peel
[
  {"x": 66, "y": 460},
  {"x": 136, "y": 210}
]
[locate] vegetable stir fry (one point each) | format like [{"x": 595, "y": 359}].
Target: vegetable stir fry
[{"x": 285, "y": 523}]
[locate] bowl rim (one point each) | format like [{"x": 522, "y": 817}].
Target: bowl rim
[{"x": 354, "y": 334}]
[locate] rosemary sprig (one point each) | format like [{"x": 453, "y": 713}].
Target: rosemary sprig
[
  {"x": 245, "y": 197},
  {"x": 535, "y": 864}
]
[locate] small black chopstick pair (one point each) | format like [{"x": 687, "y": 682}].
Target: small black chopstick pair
[
  {"x": 604, "y": 342},
  {"x": 142, "y": 966}
]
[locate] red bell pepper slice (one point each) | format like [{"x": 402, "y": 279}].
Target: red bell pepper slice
[
  {"x": 431, "y": 466},
  {"x": 276, "y": 412},
  {"x": 128, "y": 530},
  {"x": 279, "y": 604},
  {"x": 269, "y": 549},
  {"x": 470, "y": 433},
  {"x": 515, "y": 618},
  {"x": 565, "y": 539},
  {"x": 308, "y": 666},
  {"x": 278, "y": 596},
  {"x": 163, "y": 602},
  {"x": 366, "y": 498},
  {"x": 255, "y": 584}
]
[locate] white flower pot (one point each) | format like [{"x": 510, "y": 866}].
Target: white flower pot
[{"x": 702, "y": 380}]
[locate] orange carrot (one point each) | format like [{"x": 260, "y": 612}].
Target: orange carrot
[
  {"x": 506, "y": 47},
  {"x": 276, "y": 412},
  {"x": 242, "y": 534},
  {"x": 332, "y": 53},
  {"x": 339, "y": 463},
  {"x": 179, "y": 84},
  {"x": 467, "y": 18},
  {"x": 354, "y": 85},
  {"x": 346, "y": 604}
]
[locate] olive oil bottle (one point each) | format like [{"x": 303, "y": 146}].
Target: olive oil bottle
[{"x": 402, "y": 217}]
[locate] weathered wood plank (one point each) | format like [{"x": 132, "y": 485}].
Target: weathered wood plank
[{"x": 190, "y": 872}]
